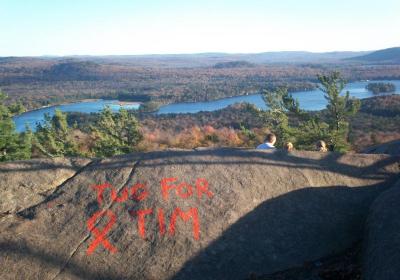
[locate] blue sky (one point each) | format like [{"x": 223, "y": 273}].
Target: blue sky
[{"x": 98, "y": 27}]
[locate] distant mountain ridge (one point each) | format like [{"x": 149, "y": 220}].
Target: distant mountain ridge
[
  {"x": 210, "y": 59},
  {"x": 203, "y": 59},
  {"x": 385, "y": 55}
]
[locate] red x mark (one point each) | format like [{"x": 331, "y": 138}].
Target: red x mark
[{"x": 101, "y": 235}]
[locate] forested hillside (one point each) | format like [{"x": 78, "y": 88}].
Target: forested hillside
[{"x": 43, "y": 81}]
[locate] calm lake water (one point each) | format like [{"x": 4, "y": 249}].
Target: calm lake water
[
  {"x": 37, "y": 116},
  {"x": 309, "y": 100}
]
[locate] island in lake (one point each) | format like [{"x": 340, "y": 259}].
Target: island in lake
[{"x": 381, "y": 87}]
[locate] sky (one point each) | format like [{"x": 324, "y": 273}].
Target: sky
[{"x": 127, "y": 27}]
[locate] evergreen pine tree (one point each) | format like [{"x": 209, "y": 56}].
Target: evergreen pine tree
[
  {"x": 340, "y": 108},
  {"x": 54, "y": 137},
  {"x": 13, "y": 146},
  {"x": 115, "y": 133},
  {"x": 280, "y": 104}
]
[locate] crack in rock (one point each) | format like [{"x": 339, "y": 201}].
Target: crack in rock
[{"x": 85, "y": 238}]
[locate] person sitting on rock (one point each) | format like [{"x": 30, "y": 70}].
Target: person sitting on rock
[
  {"x": 270, "y": 140},
  {"x": 288, "y": 146},
  {"x": 321, "y": 146}
]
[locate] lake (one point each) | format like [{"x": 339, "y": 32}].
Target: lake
[
  {"x": 309, "y": 100},
  {"x": 37, "y": 116}
]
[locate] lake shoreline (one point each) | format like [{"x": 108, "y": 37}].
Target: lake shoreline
[
  {"x": 310, "y": 100},
  {"x": 86, "y": 100},
  {"x": 125, "y": 103}
]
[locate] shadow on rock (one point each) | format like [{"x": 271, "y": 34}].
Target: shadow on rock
[
  {"x": 300, "y": 226},
  {"x": 38, "y": 257}
]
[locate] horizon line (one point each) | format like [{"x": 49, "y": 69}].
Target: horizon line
[{"x": 192, "y": 53}]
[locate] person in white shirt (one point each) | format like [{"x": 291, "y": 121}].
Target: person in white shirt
[{"x": 269, "y": 142}]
